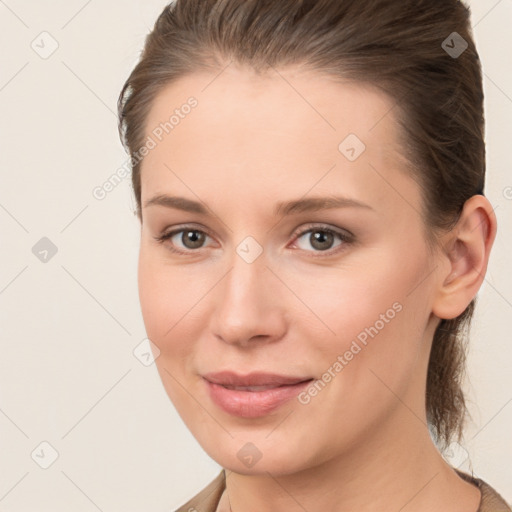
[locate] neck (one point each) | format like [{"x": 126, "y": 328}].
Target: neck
[{"x": 395, "y": 470}]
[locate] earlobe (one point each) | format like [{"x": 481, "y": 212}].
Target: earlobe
[{"x": 465, "y": 258}]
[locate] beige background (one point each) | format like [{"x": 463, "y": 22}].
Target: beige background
[{"x": 69, "y": 326}]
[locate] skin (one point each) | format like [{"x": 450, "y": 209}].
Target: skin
[{"x": 362, "y": 443}]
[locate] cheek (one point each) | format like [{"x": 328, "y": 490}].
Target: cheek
[
  {"x": 161, "y": 310},
  {"x": 380, "y": 326},
  {"x": 377, "y": 301},
  {"x": 151, "y": 294},
  {"x": 159, "y": 296},
  {"x": 170, "y": 299},
  {"x": 365, "y": 296}
]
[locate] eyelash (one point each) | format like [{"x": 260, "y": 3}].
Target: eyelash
[{"x": 347, "y": 239}]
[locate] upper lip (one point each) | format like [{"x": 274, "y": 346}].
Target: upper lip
[{"x": 227, "y": 378}]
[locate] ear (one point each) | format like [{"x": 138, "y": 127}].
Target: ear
[{"x": 464, "y": 258}]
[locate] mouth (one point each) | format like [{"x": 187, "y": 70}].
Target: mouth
[
  {"x": 254, "y": 381},
  {"x": 253, "y": 401},
  {"x": 258, "y": 388}
]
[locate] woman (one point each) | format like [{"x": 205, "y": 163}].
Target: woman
[{"x": 309, "y": 177}]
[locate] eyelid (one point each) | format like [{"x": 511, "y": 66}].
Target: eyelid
[
  {"x": 344, "y": 235},
  {"x": 167, "y": 234}
]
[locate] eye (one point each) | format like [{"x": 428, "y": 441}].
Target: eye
[
  {"x": 190, "y": 237},
  {"x": 322, "y": 238}
]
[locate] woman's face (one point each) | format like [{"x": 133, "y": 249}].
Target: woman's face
[{"x": 258, "y": 285}]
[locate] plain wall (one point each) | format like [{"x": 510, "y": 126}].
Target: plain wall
[{"x": 69, "y": 325}]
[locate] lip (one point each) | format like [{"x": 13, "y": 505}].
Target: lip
[
  {"x": 279, "y": 389},
  {"x": 228, "y": 378}
]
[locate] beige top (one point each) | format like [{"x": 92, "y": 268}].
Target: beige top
[{"x": 213, "y": 498}]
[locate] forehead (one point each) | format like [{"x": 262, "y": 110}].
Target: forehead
[
  {"x": 292, "y": 101},
  {"x": 284, "y": 128}
]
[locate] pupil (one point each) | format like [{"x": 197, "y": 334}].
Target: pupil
[
  {"x": 320, "y": 237},
  {"x": 193, "y": 238}
]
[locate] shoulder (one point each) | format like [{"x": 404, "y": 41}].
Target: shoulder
[
  {"x": 491, "y": 500},
  {"x": 208, "y": 498}
]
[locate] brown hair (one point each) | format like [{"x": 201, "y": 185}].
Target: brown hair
[{"x": 403, "y": 48}]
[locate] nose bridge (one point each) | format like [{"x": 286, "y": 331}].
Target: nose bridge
[
  {"x": 248, "y": 262},
  {"x": 247, "y": 305},
  {"x": 244, "y": 289}
]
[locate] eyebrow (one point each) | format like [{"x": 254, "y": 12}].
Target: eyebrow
[{"x": 310, "y": 204}]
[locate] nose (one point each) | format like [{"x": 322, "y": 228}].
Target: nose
[{"x": 250, "y": 305}]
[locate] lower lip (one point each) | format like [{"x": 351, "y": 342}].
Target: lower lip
[{"x": 253, "y": 404}]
